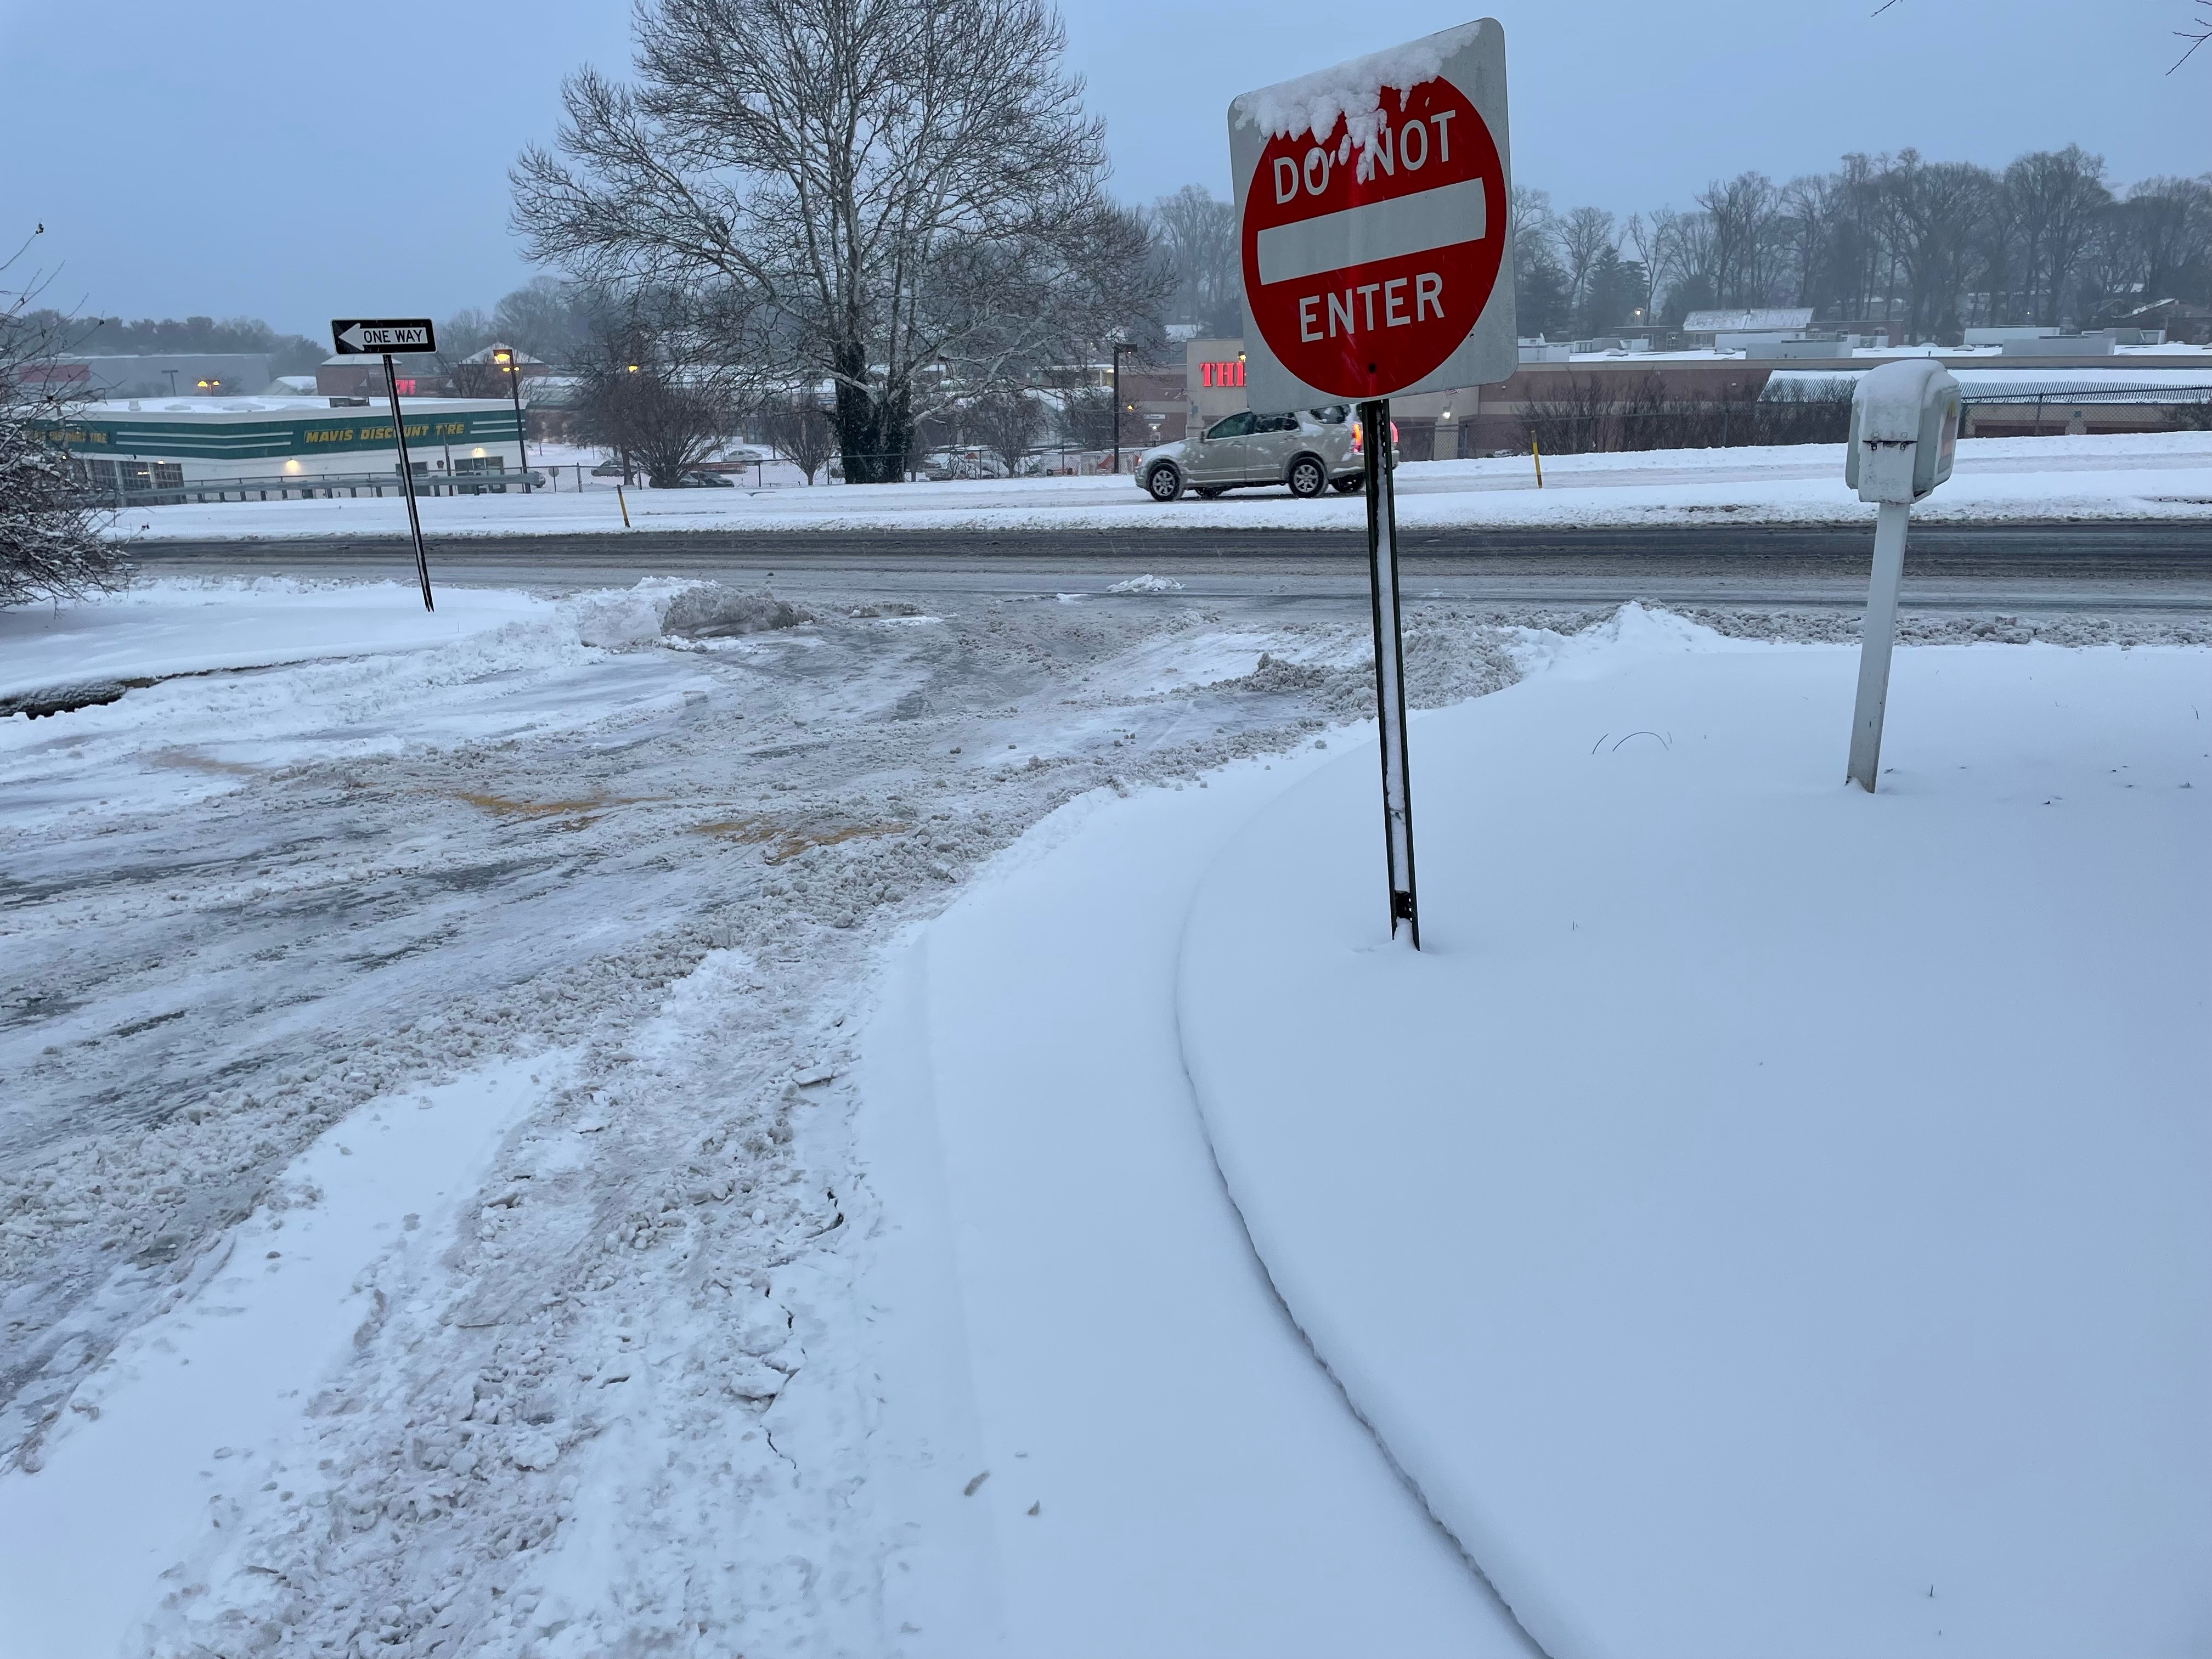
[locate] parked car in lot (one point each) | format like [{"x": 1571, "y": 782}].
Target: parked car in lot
[
  {"x": 1312, "y": 451},
  {"x": 705, "y": 481}
]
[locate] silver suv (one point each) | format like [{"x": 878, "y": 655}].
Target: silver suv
[{"x": 1312, "y": 451}]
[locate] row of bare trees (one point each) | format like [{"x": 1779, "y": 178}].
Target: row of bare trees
[
  {"x": 1589, "y": 413},
  {"x": 1933, "y": 246}
]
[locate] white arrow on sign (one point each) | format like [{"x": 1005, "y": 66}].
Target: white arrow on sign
[{"x": 362, "y": 337}]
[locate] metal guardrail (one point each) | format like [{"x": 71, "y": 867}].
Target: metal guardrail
[{"x": 2109, "y": 394}]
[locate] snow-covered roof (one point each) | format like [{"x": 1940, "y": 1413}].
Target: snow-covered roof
[
  {"x": 1748, "y": 322},
  {"x": 270, "y": 405},
  {"x": 1984, "y": 385}
]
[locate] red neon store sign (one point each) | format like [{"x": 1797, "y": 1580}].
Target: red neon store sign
[{"x": 1224, "y": 374}]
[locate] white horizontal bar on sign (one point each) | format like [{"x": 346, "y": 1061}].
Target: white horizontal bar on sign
[{"x": 1380, "y": 230}]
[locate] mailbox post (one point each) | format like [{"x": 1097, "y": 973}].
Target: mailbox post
[{"x": 1904, "y": 435}]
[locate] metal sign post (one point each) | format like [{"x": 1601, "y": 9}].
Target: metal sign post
[
  {"x": 355, "y": 336},
  {"x": 1389, "y": 666},
  {"x": 1371, "y": 208}
]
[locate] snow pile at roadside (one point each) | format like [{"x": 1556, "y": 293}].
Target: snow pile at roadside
[
  {"x": 1765, "y": 1218},
  {"x": 1147, "y": 584},
  {"x": 661, "y": 607}
]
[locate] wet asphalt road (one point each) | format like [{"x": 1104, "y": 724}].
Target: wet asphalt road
[{"x": 2094, "y": 566}]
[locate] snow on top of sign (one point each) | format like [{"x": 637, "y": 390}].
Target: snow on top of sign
[{"x": 1353, "y": 89}]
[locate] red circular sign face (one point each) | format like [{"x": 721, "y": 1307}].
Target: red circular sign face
[{"x": 1366, "y": 267}]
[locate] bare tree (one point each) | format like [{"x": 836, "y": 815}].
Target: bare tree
[
  {"x": 1742, "y": 212},
  {"x": 1933, "y": 213},
  {"x": 896, "y": 198},
  {"x": 2167, "y": 226},
  {"x": 1584, "y": 234},
  {"x": 799, "y": 428},
  {"x": 550, "y": 317},
  {"x": 1006, "y": 423},
  {"x": 2196, "y": 33},
  {"x": 1197, "y": 235},
  {"x": 52, "y": 542},
  {"x": 1087, "y": 417},
  {"x": 646, "y": 390},
  {"x": 2056, "y": 199}
]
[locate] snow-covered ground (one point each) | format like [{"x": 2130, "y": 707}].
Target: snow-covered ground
[
  {"x": 2165, "y": 474},
  {"x": 1763, "y": 1219},
  {"x": 655, "y": 1121}
]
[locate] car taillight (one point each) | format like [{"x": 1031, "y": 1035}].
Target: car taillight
[{"x": 1355, "y": 437}]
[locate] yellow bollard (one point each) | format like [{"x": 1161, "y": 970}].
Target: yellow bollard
[
  {"x": 622, "y": 504},
  {"x": 1539, "y": 456}
]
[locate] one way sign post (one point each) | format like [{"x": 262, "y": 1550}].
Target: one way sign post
[
  {"x": 1372, "y": 205},
  {"x": 356, "y": 336}
]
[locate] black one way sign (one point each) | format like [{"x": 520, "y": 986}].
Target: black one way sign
[
  {"x": 356, "y": 336},
  {"x": 367, "y": 337}
]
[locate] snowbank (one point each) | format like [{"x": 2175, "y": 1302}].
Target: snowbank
[
  {"x": 1099, "y": 1433},
  {"x": 1767, "y": 1219}
]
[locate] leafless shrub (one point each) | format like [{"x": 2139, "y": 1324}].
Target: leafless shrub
[{"x": 51, "y": 542}]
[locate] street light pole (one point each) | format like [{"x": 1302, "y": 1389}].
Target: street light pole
[
  {"x": 1119, "y": 347},
  {"x": 512, "y": 362}
]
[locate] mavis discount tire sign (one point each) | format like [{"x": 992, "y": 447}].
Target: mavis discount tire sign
[{"x": 1372, "y": 203}]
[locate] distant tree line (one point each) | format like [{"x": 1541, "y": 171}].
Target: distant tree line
[
  {"x": 103, "y": 337},
  {"x": 1934, "y": 248}
]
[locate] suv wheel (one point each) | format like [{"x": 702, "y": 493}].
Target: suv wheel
[
  {"x": 1309, "y": 477},
  {"x": 1164, "y": 482}
]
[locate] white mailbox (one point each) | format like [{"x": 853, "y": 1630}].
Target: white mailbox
[
  {"x": 1904, "y": 435},
  {"x": 1904, "y": 431}
]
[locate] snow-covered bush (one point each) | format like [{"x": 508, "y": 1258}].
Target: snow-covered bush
[{"x": 50, "y": 546}]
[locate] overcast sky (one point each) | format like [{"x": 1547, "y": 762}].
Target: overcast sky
[{"x": 248, "y": 158}]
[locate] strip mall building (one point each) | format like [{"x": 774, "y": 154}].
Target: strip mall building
[
  {"x": 1472, "y": 420},
  {"x": 281, "y": 444}
]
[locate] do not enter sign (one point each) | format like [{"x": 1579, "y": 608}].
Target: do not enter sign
[{"x": 1372, "y": 209}]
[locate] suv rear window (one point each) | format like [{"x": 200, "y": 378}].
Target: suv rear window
[{"x": 1332, "y": 413}]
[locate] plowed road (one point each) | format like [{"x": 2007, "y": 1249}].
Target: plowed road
[{"x": 2104, "y": 566}]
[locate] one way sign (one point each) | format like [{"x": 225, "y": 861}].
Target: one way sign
[{"x": 368, "y": 336}]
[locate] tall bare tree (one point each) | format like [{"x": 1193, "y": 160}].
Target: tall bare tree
[
  {"x": 903, "y": 198},
  {"x": 2056, "y": 199},
  {"x": 1197, "y": 235},
  {"x": 1584, "y": 235}
]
